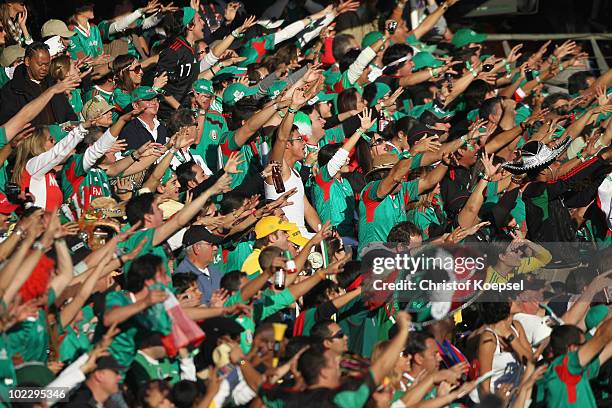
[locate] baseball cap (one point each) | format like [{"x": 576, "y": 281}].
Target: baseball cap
[
  {"x": 79, "y": 249},
  {"x": 95, "y": 107},
  {"x": 108, "y": 363},
  {"x": 55, "y": 27},
  {"x": 10, "y": 54},
  {"x": 303, "y": 123},
  {"x": 467, "y": 36},
  {"x": 322, "y": 97},
  {"x": 596, "y": 315},
  {"x": 232, "y": 70},
  {"x": 380, "y": 90},
  {"x": 6, "y": 207},
  {"x": 425, "y": 60},
  {"x": 276, "y": 88},
  {"x": 268, "y": 225},
  {"x": 420, "y": 130},
  {"x": 188, "y": 15},
  {"x": 203, "y": 86},
  {"x": 198, "y": 233},
  {"x": 144, "y": 93},
  {"x": 34, "y": 372},
  {"x": 236, "y": 92},
  {"x": 370, "y": 38},
  {"x": 296, "y": 237},
  {"x": 434, "y": 114}
]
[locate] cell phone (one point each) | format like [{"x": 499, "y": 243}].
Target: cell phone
[
  {"x": 392, "y": 26},
  {"x": 487, "y": 67},
  {"x": 529, "y": 74}
]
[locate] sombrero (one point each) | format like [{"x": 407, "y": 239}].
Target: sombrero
[
  {"x": 535, "y": 155},
  {"x": 383, "y": 161}
]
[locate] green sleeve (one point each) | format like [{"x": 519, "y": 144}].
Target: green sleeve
[
  {"x": 371, "y": 190},
  {"x": 274, "y": 303},
  {"x": 269, "y": 44},
  {"x": 574, "y": 367},
  {"x": 104, "y": 27},
  {"x": 121, "y": 99},
  {"x": 358, "y": 397},
  {"x": 76, "y": 47},
  {"x": 115, "y": 299},
  {"x": 235, "y": 299},
  {"x": 231, "y": 140},
  {"x": 411, "y": 189},
  {"x": 3, "y": 139},
  {"x": 415, "y": 162}
]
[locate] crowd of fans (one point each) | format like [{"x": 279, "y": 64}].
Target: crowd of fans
[{"x": 191, "y": 197}]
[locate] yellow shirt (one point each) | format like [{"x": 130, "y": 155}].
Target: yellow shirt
[{"x": 527, "y": 265}]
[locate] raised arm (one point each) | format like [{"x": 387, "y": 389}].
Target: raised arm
[
  {"x": 433, "y": 177},
  {"x": 64, "y": 268},
  {"x": 382, "y": 366},
  {"x": 432, "y": 19},
  {"x": 32, "y": 109},
  {"x": 468, "y": 216},
  {"x": 189, "y": 211}
]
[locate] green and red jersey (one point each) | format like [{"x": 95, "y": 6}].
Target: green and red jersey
[
  {"x": 566, "y": 382},
  {"x": 334, "y": 200}
]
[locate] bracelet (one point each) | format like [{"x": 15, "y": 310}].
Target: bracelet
[
  {"x": 237, "y": 34},
  {"x": 464, "y": 140},
  {"x": 435, "y": 72},
  {"x": 134, "y": 158},
  {"x": 38, "y": 246},
  {"x": 538, "y": 80},
  {"x": 19, "y": 232},
  {"x": 281, "y": 114},
  {"x": 554, "y": 59},
  {"x": 579, "y": 155},
  {"x": 561, "y": 67},
  {"x": 156, "y": 89},
  {"x": 292, "y": 110},
  {"x": 405, "y": 155}
]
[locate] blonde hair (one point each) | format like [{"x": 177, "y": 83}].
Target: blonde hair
[
  {"x": 380, "y": 349},
  {"x": 30, "y": 147},
  {"x": 60, "y": 67},
  {"x": 5, "y": 17}
]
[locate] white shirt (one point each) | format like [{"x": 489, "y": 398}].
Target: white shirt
[
  {"x": 536, "y": 327},
  {"x": 294, "y": 211},
  {"x": 153, "y": 131}
]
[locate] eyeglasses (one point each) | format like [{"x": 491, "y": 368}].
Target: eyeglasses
[
  {"x": 137, "y": 69},
  {"x": 376, "y": 142},
  {"x": 297, "y": 139},
  {"x": 338, "y": 335}
]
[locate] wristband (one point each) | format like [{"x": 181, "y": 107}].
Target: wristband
[
  {"x": 237, "y": 34},
  {"x": 19, "y": 232},
  {"x": 156, "y": 89},
  {"x": 281, "y": 114},
  {"x": 435, "y": 72},
  {"x": 430, "y": 70},
  {"x": 291, "y": 110},
  {"x": 464, "y": 140},
  {"x": 561, "y": 67},
  {"x": 554, "y": 59},
  {"x": 405, "y": 155},
  {"x": 38, "y": 246},
  {"x": 134, "y": 157},
  {"x": 579, "y": 155},
  {"x": 538, "y": 80}
]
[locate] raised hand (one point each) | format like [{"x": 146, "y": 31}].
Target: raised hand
[
  {"x": 230, "y": 11},
  {"x": 155, "y": 296},
  {"x": 161, "y": 80},
  {"x": 195, "y": 4},
  {"x": 366, "y": 119},
  {"x": 427, "y": 144},
  {"x": 489, "y": 168},
  {"x": 119, "y": 146},
  {"x": 346, "y": 6},
  {"x": 22, "y": 18},
  {"x": 235, "y": 159},
  {"x": 218, "y": 298},
  {"x": 222, "y": 185},
  {"x": 514, "y": 54},
  {"x": 170, "y": 8},
  {"x": 568, "y": 47},
  {"x": 68, "y": 84},
  {"x": 151, "y": 7},
  {"x": 24, "y": 133},
  {"x": 248, "y": 23}
]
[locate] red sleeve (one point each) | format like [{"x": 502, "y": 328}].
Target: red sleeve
[{"x": 328, "y": 56}]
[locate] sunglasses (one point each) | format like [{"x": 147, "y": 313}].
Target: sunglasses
[
  {"x": 338, "y": 335},
  {"x": 137, "y": 69}
]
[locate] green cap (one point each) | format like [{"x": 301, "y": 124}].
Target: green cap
[
  {"x": 370, "y": 38},
  {"x": 232, "y": 70},
  {"x": 425, "y": 60},
  {"x": 167, "y": 176},
  {"x": 144, "y": 93},
  {"x": 381, "y": 90},
  {"x": 236, "y": 92},
  {"x": 303, "y": 123},
  {"x": 438, "y": 113},
  {"x": 34, "y": 372},
  {"x": 188, "y": 15},
  {"x": 596, "y": 315},
  {"x": 276, "y": 88},
  {"x": 203, "y": 86},
  {"x": 322, "y": 97},
  {"x": 467, "y": 36}
]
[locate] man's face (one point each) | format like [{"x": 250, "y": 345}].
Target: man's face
[
  {"x": 280, "y": 239},
  {"x": 205, "y": 252},
  {"x": 200, "y": 176},
  {"x": 430, "y": 358},
  {"x": 198, "y": 27},
  {"x": 202, "y": 50},
  {"x": 155, "y": 218},
  {"x": 337, "y": 341},
  {"x": 172, "y": 188},
  {"x": 317, "y": 124},
  {"x": 467, "y": 157},
  {"x": 203, "y": 100},
  {"x": 109, "y": 380},
  {"x": 151, "y": 106},
  {"x": 295, "y": 145},
  {"x": 406, "y": 69},
  {"x": 106, "y": 120},
  {"x": 325, "y": 109},
  {"x": 38, "y": 65}
]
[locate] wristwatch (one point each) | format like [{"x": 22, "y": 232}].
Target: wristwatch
[{"x": 510, "y": 338}]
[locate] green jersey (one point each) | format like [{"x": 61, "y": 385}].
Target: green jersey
[
  {"x": 3, "y": 175},
  {"x": 334, "y": 200},
  {"x": 147, "y": 234},
  {"x": 333, "y": 135},
  {"x": 81, "y": 186},
  {"x": 215, "y": 126},
  {"x": 249, "y": 152},
  {"x": 122, "y": 100},
  {"x": 152, "y": 319},
  {"x": 426, "y": 218},
  {"x": 4, "y": 78},
  {"x": 86, "y": 42},
  {"x": 566, "y": 382},
  {"x": 76, "y": 101},
  {"x": 146, "y": 368},
  {"x": 247, "y": 322},
  {"x": 377, "y": 215},
  {"x": 108, "y": 96}
]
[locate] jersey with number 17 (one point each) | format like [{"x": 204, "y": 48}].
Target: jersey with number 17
[{"x": 180, "y": 62}]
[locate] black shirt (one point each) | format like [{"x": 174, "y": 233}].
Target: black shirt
[
  {"x": 135, "y": 134},
  {"x": 179, "y": 60}
]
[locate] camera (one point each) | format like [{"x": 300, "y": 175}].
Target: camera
[
  {"x": 529, "y": 74},
  {"x": 392, "y": 26},
  {"x": 12, "y": 193},
  {"x": 487, "y": 67}
]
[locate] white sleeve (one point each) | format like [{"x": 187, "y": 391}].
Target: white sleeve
[
  {"x": 152, "y": 21},
  {"x": 288, "y": 32},
  {"x": 43, "y": 163},
  {"x": 242, "y": 394},
  {"x": 309, "y": 36},
  {"x": 123, "y": 23},
  {"x": 208, "y": 61},
  {"x": 441, "y": 23},
  {"x": 98, "y": 149},
  {"x": 188, "y": 369},
  {"x": 71, "y": 377},
  {"x": 222, "y": 395},
  {"x": 360, "y": 64},
  {"x": 336, "y": 162}
]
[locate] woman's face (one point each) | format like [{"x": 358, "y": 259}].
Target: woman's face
[
  {"x": 106, "y": 120},
  {"x": 2, "y": 35},
  {"x": 17, "y": 7},
  {"x": 360, "y": 104},
  {"x": 88, "y": 13},
  {"x": 135, "y": 71},
  {"x": 49, "y": 140}
]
